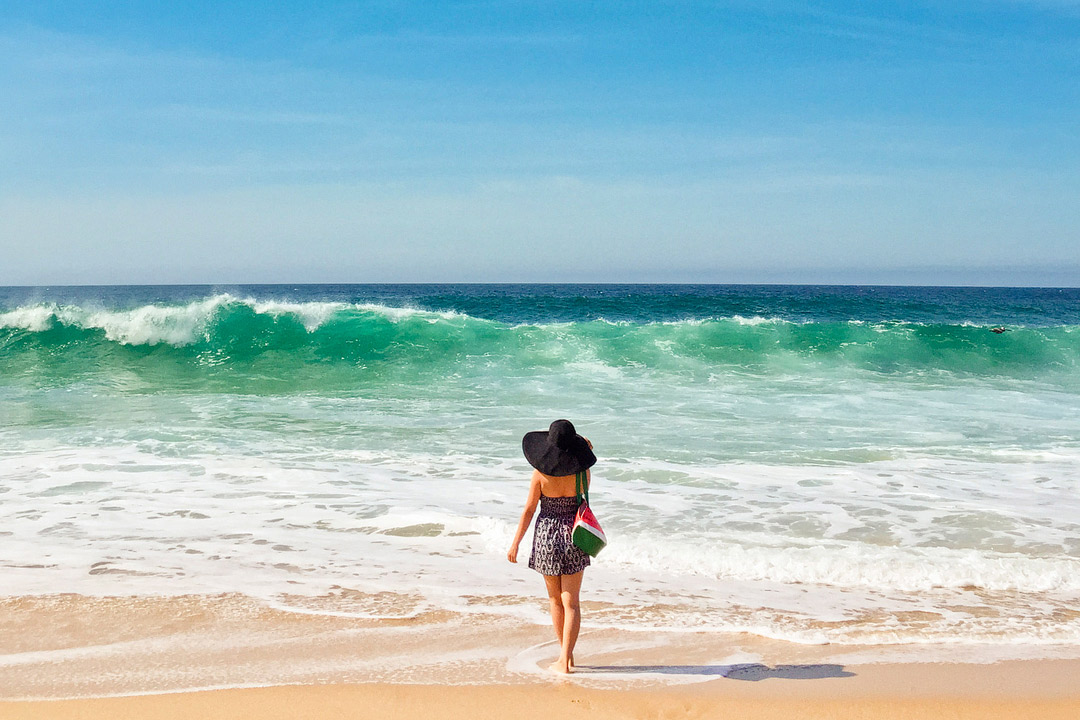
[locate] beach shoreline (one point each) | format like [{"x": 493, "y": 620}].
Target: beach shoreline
[{"x": 71, "y": 656}]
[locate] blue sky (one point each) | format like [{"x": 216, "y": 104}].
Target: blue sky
[{"x": 918, "y": 142}]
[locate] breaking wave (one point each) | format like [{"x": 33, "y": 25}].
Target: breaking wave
[{"x": 227, "y": 331}]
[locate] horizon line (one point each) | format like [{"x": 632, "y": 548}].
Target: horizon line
[{"x": 972, "y": 286}]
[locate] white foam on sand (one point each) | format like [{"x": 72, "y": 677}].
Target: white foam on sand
[{"x": 734, "y": 548}]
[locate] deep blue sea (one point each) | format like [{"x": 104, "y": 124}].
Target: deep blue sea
[{"x": 820, "y": 464}]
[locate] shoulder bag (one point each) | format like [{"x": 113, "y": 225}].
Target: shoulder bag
[{"x": 587, "y": 533}]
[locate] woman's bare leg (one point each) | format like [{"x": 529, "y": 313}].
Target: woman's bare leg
[
  {"x": 554, "y": 591},
  {"x": 571, "y": 589}
]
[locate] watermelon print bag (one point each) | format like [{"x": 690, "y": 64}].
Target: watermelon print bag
[{"x": 587, "y": 533}]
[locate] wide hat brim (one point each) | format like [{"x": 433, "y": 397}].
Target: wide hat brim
[{"x": 551, "y": 459}]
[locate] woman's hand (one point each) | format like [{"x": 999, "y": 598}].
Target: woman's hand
[{"x": 512, "y": 554}]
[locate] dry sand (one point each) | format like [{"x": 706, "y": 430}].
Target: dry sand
[{"x": 898, "y": 696}]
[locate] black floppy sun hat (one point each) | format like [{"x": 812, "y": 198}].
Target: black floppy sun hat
[{"x": 558, "y": 451}]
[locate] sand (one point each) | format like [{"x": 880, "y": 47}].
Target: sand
[
  {"x": 899, "y": 697},
  {"x": 70, "y": 656}
]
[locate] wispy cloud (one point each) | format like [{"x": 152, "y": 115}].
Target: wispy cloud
[
  {"x": 875, "y": 25},
  {"x": 223, "y": 114},
  {"x": 465, "y": 39}
]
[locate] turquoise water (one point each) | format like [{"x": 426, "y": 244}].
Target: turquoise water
[
  {"x": 336, "y": 340},
  {"x": 877, "y": 447}
]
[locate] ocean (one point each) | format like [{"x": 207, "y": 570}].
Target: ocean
[{"x": 843, "y": 465}]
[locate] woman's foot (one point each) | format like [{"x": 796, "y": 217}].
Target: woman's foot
[
  {"x": 560, "y": 667},
  {"x": 571, "y": 663}
]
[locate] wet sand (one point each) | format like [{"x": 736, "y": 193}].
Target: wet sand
[{"x": 69, "y": 656}]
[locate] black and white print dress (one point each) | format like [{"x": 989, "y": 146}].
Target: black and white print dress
[{"x": 553, "y": 553}]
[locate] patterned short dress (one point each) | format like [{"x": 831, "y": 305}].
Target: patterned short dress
[{"x": 553, "y": 553}]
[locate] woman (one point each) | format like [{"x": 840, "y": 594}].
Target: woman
[{"x": 558, "y": 455}]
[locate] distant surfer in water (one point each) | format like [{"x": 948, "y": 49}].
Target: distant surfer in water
[
  {"x": 999, "y": 330},
  {"x": 558, "y": 455}
]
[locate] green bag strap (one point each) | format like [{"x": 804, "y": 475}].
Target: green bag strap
[{"x": 582, "y": 482}]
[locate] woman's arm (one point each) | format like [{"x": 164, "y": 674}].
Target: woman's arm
[
  {"x": 588, "y": 475},
  {"x": 526, "y": 516}
]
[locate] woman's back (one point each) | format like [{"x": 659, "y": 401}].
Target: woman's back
[{"x": 557, "y": 487}]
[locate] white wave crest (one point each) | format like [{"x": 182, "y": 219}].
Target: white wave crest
[
  {"x": 149, "y": 324},
  {"x": 313, "y": 315},
  {"x": 37, "y": 318},
  {"x": 862, "y": 566},
  {"x": 750, "y": 321},
  {"x": 756, "y": 320},
  {"x": 186, "y": 324},
  {"x": 146, "y": 325},
  {"x": 397, "y": 314}
]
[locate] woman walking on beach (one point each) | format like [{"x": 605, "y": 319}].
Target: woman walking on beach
[{"x": 557, "y": 455}]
